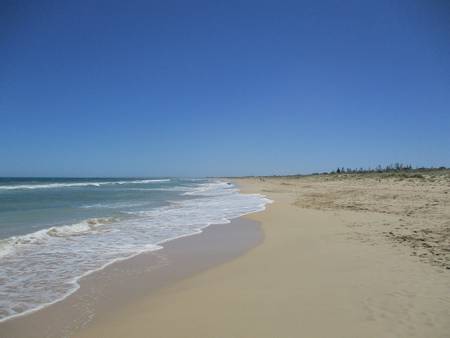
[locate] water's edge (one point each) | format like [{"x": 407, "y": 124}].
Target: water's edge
[
  {"x": 45, "y": 267},
  {"x": 179, "y": 258}
]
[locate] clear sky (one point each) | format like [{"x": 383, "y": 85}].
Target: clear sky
[{"x": 193, "y": 88}]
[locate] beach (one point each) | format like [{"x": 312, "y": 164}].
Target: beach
[
  {"x": 336, "y": 256},
  {"x": 318, "y": 273},
  {"x": 125, "y": 282}
]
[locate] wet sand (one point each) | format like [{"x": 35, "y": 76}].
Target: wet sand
[{"x": 126, "y": 282}]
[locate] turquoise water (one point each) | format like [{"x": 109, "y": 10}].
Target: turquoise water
[
  {"x": 31, "y": 204},
  {"x": 53, "y": 230}
]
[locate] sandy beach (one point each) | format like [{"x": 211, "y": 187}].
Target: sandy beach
[
  {"x": 338, "y": 256},
  {"x": 332, "y": 264}
]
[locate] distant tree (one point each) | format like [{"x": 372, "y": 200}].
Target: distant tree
[{"x": 338, "y": 171}]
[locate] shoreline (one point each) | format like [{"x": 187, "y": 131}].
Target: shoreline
[
  {"x": 155, "y": 268},
  {"x": 322, "y": 266},
  {"x": 315, "y": 275},
  {"x": 43, "y": 266}
]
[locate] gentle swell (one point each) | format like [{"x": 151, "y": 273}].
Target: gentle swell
[{"x": 77, "y": 184}]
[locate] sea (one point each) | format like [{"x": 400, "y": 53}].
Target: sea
[{"x": 53, "y": 231}]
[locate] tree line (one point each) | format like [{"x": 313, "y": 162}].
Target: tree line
[{"x": 395, "y": 167}]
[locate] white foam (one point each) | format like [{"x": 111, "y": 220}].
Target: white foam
[
  {"x": 78, "y": 184},
  {"x": 144, "y": 181},
  {"x": 43, "y": 267},
  {"x": 84, "y": 227},
  {"x": 116, "y": 205},
  {"x": 8, "y": 245},
  {"x": 209, "y": 188}
]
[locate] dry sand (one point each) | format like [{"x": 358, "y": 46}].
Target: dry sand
[{"x": 343, "y": 256}]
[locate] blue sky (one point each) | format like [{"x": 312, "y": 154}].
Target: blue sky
[{"x": 193, "y": 88}]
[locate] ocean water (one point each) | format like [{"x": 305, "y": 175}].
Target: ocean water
[{"x": 54, "y": 231}]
